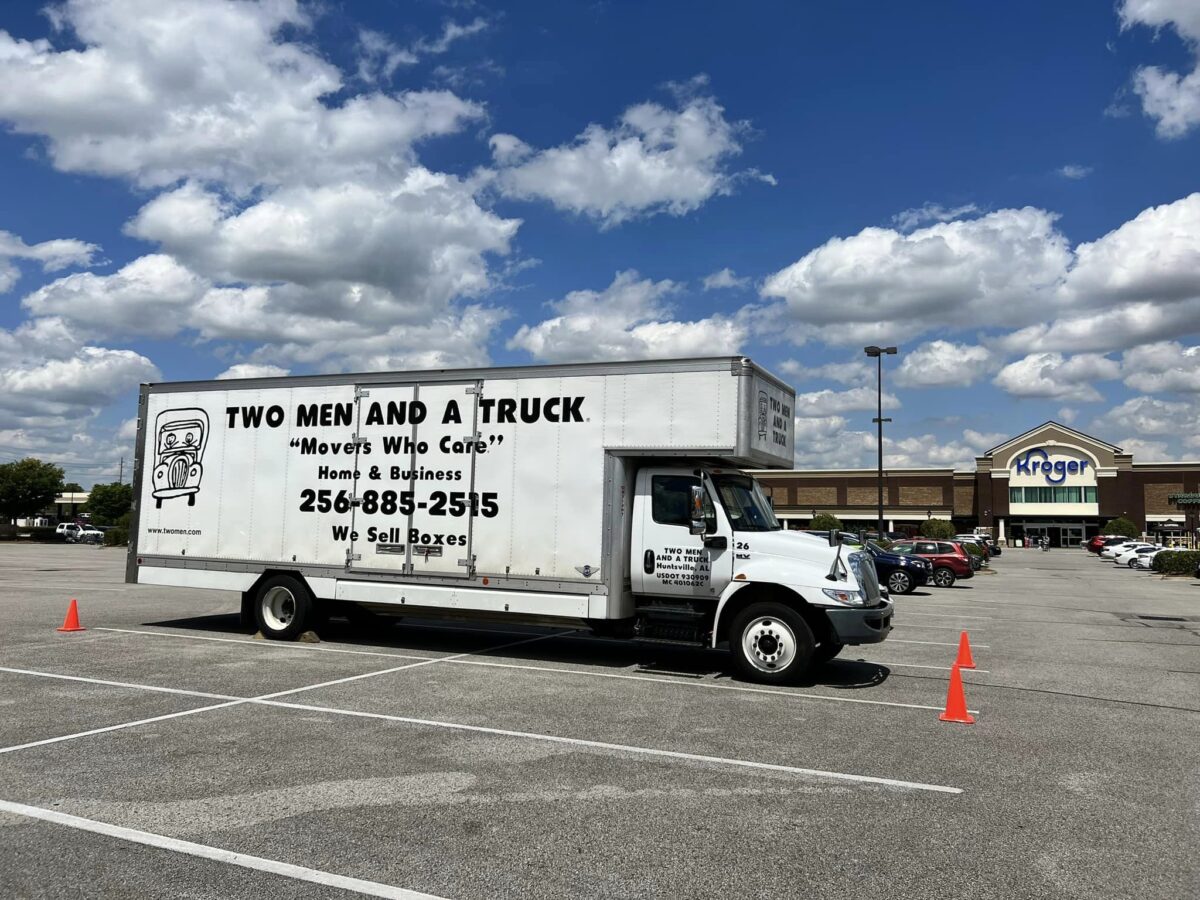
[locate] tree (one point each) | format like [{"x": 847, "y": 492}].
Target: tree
[
  {"x": 72, "y": 487},
  {"x": 938, "y": 529},
  {"x": 27, "y": 486},
  {"x": 825, "y": 522},
  {"x": 1122, "y": 526},
  {"x": 108, "y": 502}
]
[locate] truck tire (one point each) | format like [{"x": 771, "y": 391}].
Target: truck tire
[
  {"x": 771, "y": 643},
  {"x": 284, "y": 608},
  {"x": 900, "y": 583},
  {"x": 943, "y": 577}
]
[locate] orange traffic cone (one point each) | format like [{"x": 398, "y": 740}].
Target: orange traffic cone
[
  {"x": 956, "y": 701},
  {"x": 965, "y": 660},
  {"x": 71, "y": 622}
]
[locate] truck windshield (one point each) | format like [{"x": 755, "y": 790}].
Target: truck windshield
[{"x": 745, "y": 504}]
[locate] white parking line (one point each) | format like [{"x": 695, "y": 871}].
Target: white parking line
[
  {"x": 464, "y": 660},
  {"x": 239, "y": 701},
  {"x": 933, "y": 627},
  {"x": 974, "y": 646},
  {"x": 123, "y": 684},
  {"x": 277, "y": 645},
  {"x": 269, "y": 700},
  {"x": 896, "y": 665},
  {"x": 624, "y": 748},
  {"x": 216, "y": 854},
  {"x": 698, "y": 684},
  {"x": 905, "y": 612},
  {"x": 119, "y": 727}
]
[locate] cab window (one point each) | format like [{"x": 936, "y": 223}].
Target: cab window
[{"x": 671, "y": 499}]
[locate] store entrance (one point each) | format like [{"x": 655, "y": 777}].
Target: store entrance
[{"x": 1058, "y": 533}]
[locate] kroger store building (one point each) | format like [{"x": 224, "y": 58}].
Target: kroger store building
[{"x": 1051, "y": 481}]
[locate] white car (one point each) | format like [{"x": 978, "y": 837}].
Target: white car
[
  {"x": 69, "y": 530},
  {"x": 1111, "y": 551},
  {"x": 1146, "y": 560},
  {"x": 1131, "y": 552},
  {"x": 89, "y": 535}
]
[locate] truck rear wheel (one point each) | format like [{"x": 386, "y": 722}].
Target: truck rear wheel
[
  {"x": 771, "y": 643},
  {"x": 284, "y": 607}
]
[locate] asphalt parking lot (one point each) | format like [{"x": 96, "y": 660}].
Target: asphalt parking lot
[{"x": 166, "y": 753}]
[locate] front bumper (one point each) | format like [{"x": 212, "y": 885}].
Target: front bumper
[{"x": 861, "y": 626}]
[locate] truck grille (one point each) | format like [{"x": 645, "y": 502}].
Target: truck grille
[
  {"x": 863, "y": 567},
  {"x": 177, "y": 474}
]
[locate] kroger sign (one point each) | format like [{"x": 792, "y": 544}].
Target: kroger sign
[{"x": 1037, "y": 461}]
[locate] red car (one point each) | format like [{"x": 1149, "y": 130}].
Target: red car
[
  {"x": 1100, "y": 541},
  {"x": 950, "y": 561}
]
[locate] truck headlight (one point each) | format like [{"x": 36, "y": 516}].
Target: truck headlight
[{"x": 850, "y": 598}]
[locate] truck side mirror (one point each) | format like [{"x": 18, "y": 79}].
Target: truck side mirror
[
  {"x": 697, "y": 524},
  {"x": 835, "y": 537}
]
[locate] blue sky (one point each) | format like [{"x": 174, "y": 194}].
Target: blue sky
[{"x": 1005, "y": 191}]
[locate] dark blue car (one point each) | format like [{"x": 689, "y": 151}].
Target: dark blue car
[{"x": 899, "y": 574}]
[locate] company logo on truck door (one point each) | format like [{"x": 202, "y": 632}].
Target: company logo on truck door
[{"x": 179, "y": 439}]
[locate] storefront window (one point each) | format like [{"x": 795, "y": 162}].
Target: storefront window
[{"x": 1051, "y": 495}]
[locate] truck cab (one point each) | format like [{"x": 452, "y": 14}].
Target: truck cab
[{"x": 710, "y": 563}]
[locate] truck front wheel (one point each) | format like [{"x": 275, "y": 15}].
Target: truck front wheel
[
  {"x": 771, "y": 643},
  {"x": 284, "y": 607}
]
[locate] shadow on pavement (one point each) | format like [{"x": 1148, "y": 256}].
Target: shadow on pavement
[{"x": 580, "y": 648}]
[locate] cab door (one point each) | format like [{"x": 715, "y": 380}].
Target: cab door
[{"x": 667, "y": 559}]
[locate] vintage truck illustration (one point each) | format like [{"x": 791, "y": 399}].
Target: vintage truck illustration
[{"x": 180, "y": 437}]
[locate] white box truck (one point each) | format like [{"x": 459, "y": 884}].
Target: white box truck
[{"x": 607, "y": 496}]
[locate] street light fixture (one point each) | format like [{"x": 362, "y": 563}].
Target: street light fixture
[{"x": 877, "y": 353}]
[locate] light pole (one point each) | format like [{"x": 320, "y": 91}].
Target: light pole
[{"x": 877, "y": 353}]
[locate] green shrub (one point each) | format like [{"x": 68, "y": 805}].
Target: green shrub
[
  {"x": 116, "y": 536},
  {"x": 1121, "y": 526},
  {"x": 1177, "y": 562},
  {"x": 825, "y": 522},
  {"x": 937, "y": 529}
]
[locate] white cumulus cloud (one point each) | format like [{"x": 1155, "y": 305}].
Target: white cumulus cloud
[
  {"x": 828, "y": 402},
  {"x": 942, "y": 363},
  {"x": 724, "y": 279},
  {"x": 1162, "y": 367},
  {"x": 1171, "y": 99},
  {"x": 53, "y": 255},
  {"x": 886, "y": 284},
  {"x": 630, "y": 319},
  {"x": 252, "y": 370},
  {"x": 1055, "y": 376},
  {"x": 150, "y": 296},
  {"x": 653, "y": 160}
]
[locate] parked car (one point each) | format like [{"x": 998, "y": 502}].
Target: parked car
[
  {"x": 90, "y": 534},
  {"x": 848, "y": 537},
  {"x": 949, "y": 560},
  {"x": 1146, "y": 560},
  {"x": 68, "y": 530},
  {"x": 1131, "y": 552},
  {"x": 1112, "y": 550},
  {"x": 976, "y": 541},
  {"x": 1101, "y": 541},
  {"x": 901, "y": 573}
]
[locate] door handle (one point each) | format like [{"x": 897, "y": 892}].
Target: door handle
[{"x": 648, "y": 562}]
